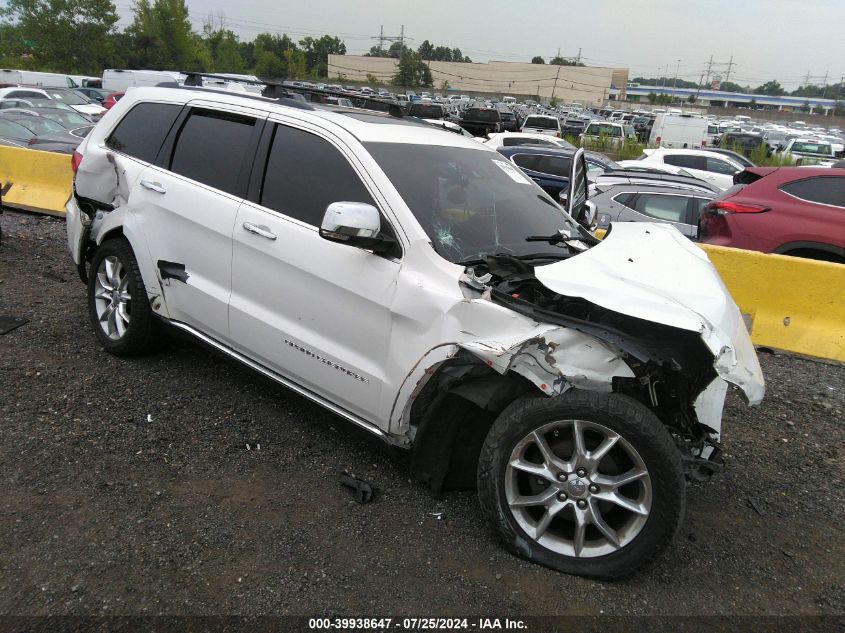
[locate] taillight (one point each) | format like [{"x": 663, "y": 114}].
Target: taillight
[
  {"x": 722, "y": 207},
  {"x": 75, "y": 160},
  {"x": 31, "y": 141},
  {"x": 704, "y": 143},
  {"x": 657, "y": 140}
]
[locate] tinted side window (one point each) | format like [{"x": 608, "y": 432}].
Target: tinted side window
[
  {"x": 528, "y": 161},
  {"x": 823, "y": 190},
  {"x": 211, "y": 148},
  {"x": 556, "y": 166},
  {"x": 305, "y": 174},
  {"x": 141, "y": 132},
  {"x": 626, "y": 199},
  {"x": 719, "y": 166},
  {"x": 690, "y": 162},
  {"x": 25, "y": 94},
  {"x": 671, "y": 208}
]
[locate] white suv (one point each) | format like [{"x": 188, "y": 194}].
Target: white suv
[
  {"x": 715, "y": 168},
  {"x": 420, "y": 286}
]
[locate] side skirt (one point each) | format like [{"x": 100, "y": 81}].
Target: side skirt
[{"x": 261, "y": 369}]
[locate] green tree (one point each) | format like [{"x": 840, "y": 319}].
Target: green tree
[
  {"x": 412, "y": 71},
  {"x": 772, "y": 88},
  {"x": 317, "y": 51},
  {"x": 268, "y": 66},
  {"x": 562, "y": 61},
  {"x": 397, "y": 49},
  {"x": 294, "y": 63},
  {"x": 538, "y": 60},
  {"x": 729, "y": 86},
  {"x": 62, "y": 35},
  {"x": 375, "y": 51},
  {"x": 163, "y": 37},
  {"x": 276, "y": 44},
  {"x": 426, "y": 50},
  {"x": 223, "y": 48}
]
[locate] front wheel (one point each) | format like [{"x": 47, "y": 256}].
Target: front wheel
[{"x": 585, "y": 483}]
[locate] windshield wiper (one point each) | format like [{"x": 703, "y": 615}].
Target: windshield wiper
[
  {"x": 576, "y": 243},
  {"x": 479, "y": 259}
]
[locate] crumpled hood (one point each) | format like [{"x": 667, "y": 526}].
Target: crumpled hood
[{"x": 652, "y": 272}]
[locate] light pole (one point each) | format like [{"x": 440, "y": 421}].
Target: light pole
[{"x": 675, "y": 80}]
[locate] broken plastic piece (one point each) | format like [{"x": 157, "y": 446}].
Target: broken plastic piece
[
  {"x": 172, "y": 270},
  {"x": 8, "y": 323},
  {"x": 364, "y": 491}
]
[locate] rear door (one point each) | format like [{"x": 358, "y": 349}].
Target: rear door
[
  {"x": 659, "y": 207},
  {"x": 186, "y": 206}
]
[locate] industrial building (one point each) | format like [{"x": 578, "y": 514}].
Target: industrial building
[{"x": 587, "y": 85}]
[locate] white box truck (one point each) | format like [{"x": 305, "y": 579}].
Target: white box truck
[
  {"x": 31, "y": 78},
  {"x": 679, "y": 131},
  {"x": 115, "y": 80}
]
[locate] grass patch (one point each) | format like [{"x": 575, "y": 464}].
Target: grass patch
[{"x": 628, "y": 149}]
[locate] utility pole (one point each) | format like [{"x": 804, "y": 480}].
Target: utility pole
[
  {"x": 698, "y": 92},
  {"x": 806, "y": 80},
  {"x": 675, "y": 80},
  {"x": 557, "y": 74},
  {"x": 578, "y": 60},
  {"x": 402, "y": 40},
  {"x": 728, "y": 72},
  {"x": 824, "y": 92},
  {"x": 709, "y": 68}
]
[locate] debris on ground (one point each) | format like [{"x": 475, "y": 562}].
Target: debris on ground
[
  {"x": 364, "y": 490},
  {"x": 9, "y": 323}
]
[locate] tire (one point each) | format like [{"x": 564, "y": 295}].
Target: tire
[
  {"x": 626, "y": 525},
  {"x": 129, "y": 327}
]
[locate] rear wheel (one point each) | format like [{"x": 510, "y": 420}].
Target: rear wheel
[
  {"x": 117, "y": 301},
  {"x": 585, "y": 483}
]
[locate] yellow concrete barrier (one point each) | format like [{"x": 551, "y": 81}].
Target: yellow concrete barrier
[
  {"x": 35, "y": 181},
  {"x": 793, "y": 304},
  {"x": 790, "y": 303}
]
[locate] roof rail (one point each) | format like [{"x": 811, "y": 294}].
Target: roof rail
[{"x": 281, "y": 97}]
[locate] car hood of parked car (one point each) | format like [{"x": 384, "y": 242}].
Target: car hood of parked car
[{"x": 652, "y": 272}]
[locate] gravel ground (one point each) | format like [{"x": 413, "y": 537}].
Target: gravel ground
[{"x": 127, "y": 487}]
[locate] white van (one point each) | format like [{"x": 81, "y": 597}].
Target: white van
[
  {"x": 120, "y": 80},
  {"x": 679, "y": 131},
  {"x": 30, "y": 78},
  {"x": 509, "y": 100}
]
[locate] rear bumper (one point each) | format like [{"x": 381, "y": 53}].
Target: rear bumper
[{"x": 77, "y": 230}]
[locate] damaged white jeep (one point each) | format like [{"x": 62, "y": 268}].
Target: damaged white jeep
[{"x": 418, "y": 285}]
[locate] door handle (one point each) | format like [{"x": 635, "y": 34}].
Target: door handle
[
  {"x": 263, "y": 231},
  {"x": 153, "y": 186}
]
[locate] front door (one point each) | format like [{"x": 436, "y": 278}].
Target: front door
[{"x": 314, "y": 311}]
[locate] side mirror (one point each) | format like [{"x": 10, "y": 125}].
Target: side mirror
[
  {"x": 576, "y": 203},
  {"x": 590, "y": 215},
  {"x": 356, "y": 224}
]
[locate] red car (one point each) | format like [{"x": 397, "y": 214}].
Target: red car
[
  {"x": 797, "y": 211},
  {"x": 113, "y": 98}
]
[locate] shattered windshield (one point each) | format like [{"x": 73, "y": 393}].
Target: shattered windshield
[{"x": 471, "y": 202}]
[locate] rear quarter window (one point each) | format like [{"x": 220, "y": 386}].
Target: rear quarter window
[
  {"x": 828, "y": 190},
  {"x": 143, "y": 129}
]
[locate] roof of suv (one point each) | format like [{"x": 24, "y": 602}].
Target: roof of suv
[{"x": 367, "y": 126}]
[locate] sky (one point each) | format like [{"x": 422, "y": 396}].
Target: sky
[{"x": 767, "y": 39}]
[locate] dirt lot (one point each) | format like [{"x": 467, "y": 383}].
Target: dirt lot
[{"x": 138, "y": 487}]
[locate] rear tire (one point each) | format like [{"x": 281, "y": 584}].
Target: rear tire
[
  {"x": 602, "y": 506},
  {"x": 118, "y": 306}
]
